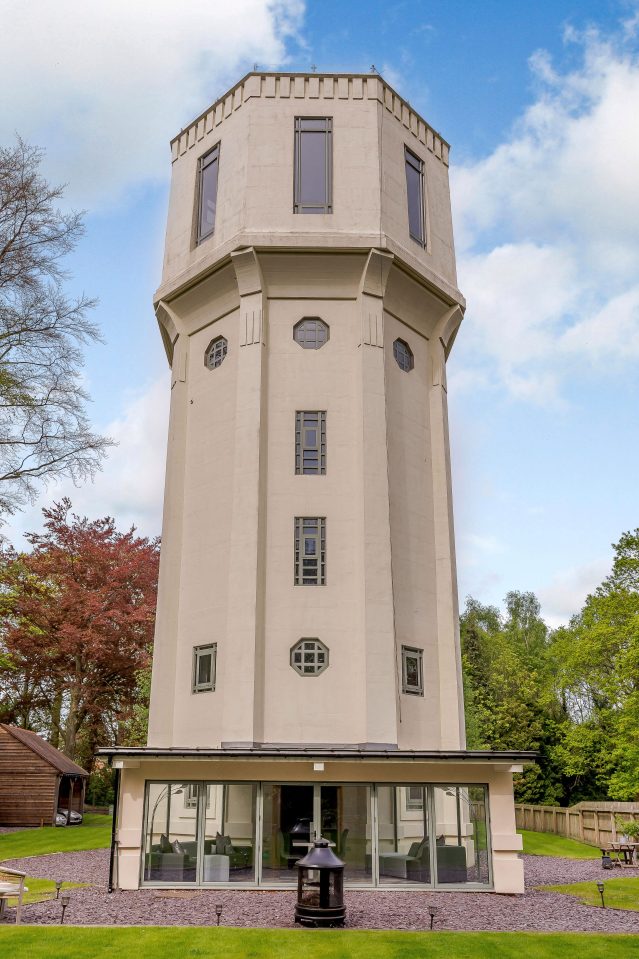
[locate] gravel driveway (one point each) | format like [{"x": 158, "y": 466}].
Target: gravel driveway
[{"x": 535, "y": 911}]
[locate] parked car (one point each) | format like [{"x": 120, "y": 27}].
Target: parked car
[{"x": 61, "y": 818}]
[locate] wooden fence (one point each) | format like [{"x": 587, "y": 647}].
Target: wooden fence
[{"x": 593, "y": 823}]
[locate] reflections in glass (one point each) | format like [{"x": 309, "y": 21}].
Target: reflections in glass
[
  {"x": 346, "y": 822},
  {"x": 414, "y": 191},
  {"x": 404, "y": 848},
  {"x": 229, "y": 833},
  {"x": 288, "y": 829},
  {"x": 208, "y": 193},
  {"x": 170, "y": 851},
  {"x": 462, "y": 836}
]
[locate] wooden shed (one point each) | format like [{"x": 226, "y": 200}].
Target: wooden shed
[{"x": 36, "y": 779}]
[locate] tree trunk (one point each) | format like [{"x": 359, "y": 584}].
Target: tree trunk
[
  {"x": 71, "y": 730},
  {"x": 56, "y": 707}
]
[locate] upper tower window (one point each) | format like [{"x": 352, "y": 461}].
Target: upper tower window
[
  {"x": 403, "y": 355},
  {"x": 412, "y": 671},
  {"x": 311, "y": 333},
  {"x": 207, "y": 192},
  {"x": 215, "y": 352},
  {"x": 204, "y": 668},
  {"x": 415, "y": 195},
  {"x": 310, "y": 443},
  {"x": 310, "y": 550},
  {"x": 313, "y": 165}
]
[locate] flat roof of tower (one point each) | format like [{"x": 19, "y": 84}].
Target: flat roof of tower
[
  {"x": 320, "y": 86},
  {"x": 293, "y": 751}
]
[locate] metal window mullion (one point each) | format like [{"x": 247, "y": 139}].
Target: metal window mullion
[
  {"x": 328, "y": 152},
  {"x": 422, "y": 212},
  {"x": 374, "y": 836},
  {"x": 200, "y": 814},
  {"x": 432, "y": 838},
  {"x": 259, "y": 833}
]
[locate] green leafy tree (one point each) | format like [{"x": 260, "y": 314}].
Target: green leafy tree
[{"x": 598, "y": 662}]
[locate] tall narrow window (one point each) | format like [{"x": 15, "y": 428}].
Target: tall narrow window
[
  {"x": 313, "y": 165},
  {"x": 415, "y": 194},
  {"x": 207, "y": 192},
  {"x": 204, "y": 668},
  {"x": 310, "y": 551},
  {"x": 310, "y": 443},
  {"x": 412, "y": 673}
]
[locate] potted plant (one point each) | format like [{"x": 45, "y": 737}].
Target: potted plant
[{"x": 628, "y": 828}]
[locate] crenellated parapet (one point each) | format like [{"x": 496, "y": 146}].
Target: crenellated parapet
[{"x": 313, "y": 87}]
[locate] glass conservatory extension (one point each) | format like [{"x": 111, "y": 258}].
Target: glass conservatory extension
[{"x": 251, "y": 833}]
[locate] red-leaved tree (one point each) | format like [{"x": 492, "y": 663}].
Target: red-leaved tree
[{"x": 78, "y": 613}]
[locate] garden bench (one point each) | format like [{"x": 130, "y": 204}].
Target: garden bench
[{"x": 11, "y": 884}]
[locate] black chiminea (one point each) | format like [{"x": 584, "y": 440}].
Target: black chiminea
[{"x": 320, "y": 887}]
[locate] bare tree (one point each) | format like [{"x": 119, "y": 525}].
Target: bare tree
[{"x": 44, "y": 429}]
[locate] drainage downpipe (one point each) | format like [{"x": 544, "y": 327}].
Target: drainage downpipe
[{"x": 116, "y": 803}]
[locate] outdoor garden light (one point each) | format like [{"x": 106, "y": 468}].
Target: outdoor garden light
[
  {"x": 600, "y": 887},
  {"x": 432, "y": 912},
  {"x": 218, "y": 912},
  {"x": 58, "y": 886},
  {"x": 64, "y": 900}
]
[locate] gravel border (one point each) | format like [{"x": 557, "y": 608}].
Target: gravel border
[{"x": 537, "y": 910}]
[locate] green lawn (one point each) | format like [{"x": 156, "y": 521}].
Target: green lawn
[
  {"x": 619, "y": 893},
  {"x": 547, "y": 844},
  {"x": 94, "y": 833},
  {"x": 55, "y": 942},
  {"x": 42, "y": 889}
]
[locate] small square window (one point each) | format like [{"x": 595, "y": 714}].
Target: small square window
[
  {"x": 204, "y": 665},
  {"x": 415, "y": 797},
  {"x": 412, "y": 672}
]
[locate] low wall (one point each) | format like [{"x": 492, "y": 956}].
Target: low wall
[{"x": 593, "y": 823}]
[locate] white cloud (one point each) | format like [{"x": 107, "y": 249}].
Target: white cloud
[
  {"x": 560, "y": 284},
  {"x": 567, "y": 591},
  {"x": 131, "y": 484},
  {"x": 105, "y": 85}
]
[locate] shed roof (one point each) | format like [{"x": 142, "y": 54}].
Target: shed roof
[{"x": 45, "y": 750}]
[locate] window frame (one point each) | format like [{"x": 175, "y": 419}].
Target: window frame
[
  {"x": 418, "y": 654},
  {"x": 315, "y": 344},
  {"x": 300, "y": 648},
  {"x": 327, "y": 205},
  {"x": 204, "y": 162},
  {"x": 198, "y": 653},
  {"x": 408, "y": 352},
  {"x": 207, "y": 352},
  {"x": 301, "y": 449},
  {"x": 417, "y": 164},
  {"x": 302, "y": 560}
]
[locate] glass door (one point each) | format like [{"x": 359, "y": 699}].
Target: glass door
[
  {"x": 288, "y": 829},
  {"x": 403, "y": 835},
  {"x": 344, "y": 814}
]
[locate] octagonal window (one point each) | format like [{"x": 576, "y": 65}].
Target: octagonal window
[
  {"x": 309, "y": 657},
  {"x": 403, "y": 355},
  {"x": 215, "y": 352},
  {"x": 311, "y": 333}
]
